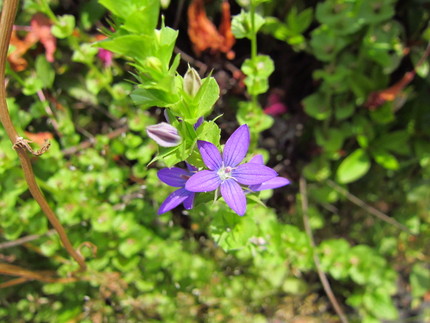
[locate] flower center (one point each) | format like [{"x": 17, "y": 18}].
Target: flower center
[{"x": 225, "y": 173}]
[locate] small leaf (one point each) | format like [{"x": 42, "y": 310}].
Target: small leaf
[
  {"x": 44, "y": 71},
  {"x": 385, "y": 159},
  {"x": 317, "y": 105},
  {"x": 353, "y": 167},
  {"x": 241, "y": 24},
  {"x": 258, "y": 71},
  {"x": 64, "y": 27}
]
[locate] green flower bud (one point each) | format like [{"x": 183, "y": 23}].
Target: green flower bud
[{"x": 192, "y": 82}]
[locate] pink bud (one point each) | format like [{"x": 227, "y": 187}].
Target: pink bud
[
  {"x": 105, "y": 56},
  {"x": 276, "y": 109}
]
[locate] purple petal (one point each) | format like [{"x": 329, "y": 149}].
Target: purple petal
[
  {"x": 198, "y": 123},
  {"x": 234, "y": 196},
  {"x": 164, "y": 134},
  {"x": 236, "y": 147},
  {"x": 257, "y": 159},
  {"x": 253, "y": 174},
  {"x": 270, "y": 184},
  {"x": 191, "y": 168},
  {"x": 210, "y": 154},
  {"x": 174, "y": 176},
  {"x": 203, "y": 181},
  {"x": 189, "y": 202},
  {"x": 174, "y": 199}
]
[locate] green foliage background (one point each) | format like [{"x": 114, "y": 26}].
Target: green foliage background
[{"x": 208, "y": 264}]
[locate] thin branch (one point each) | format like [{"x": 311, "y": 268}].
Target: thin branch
[
  {"x": 323, "y": 278},
  {"x": 88, "y": 143},
  {"x": 6, "y": 23},
  {"x": 178, "y": 14},
  {"x": 20, "y": 241},
  {"x": 45, "y": 277},
  {"x": 370, "y": 209},
  {"x": 193, "y": 61},
  {"x": 14, "y": 282}
]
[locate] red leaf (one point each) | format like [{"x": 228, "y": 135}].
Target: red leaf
[
  {"x": 41, "y": 28},
  {"x": 376, "y": 99}
]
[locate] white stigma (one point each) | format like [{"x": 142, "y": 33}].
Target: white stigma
[{"x": 225, "y": 173}]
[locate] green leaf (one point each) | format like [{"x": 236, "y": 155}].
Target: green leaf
[
  {"x": 353, "y": 167},
  {"x": 206, "y": 97},
  {"x": 85, "y": 54},
  {"x": 385, "y": 159},
  {"x": 144, "y": 18},
  {"x": 331, "y": 140},
  {"x": 261, "y": 65},
  {"x": 32, "y": 85},
  {"x": 137, "y": 47},
  {"x": 253, "y": 116},
  {"x": 241, "y": 24},
  {"x": 317, "y": 170},
  {"x": 152, "y": 97},
  {"x": 44, "y": 71},
  {"x": 91, "y": 12},
  {"x": 317, "y": 105},
  {"x": 326, "y": 43},
  {"x": 379, "y": 303},
  {"x": 64, "y": 26},
  {"x": 209, "y": 131},
  {"x": 383, "y": 114},
  {"x": 165, "y": 39},
  {"x": 383, "y": 45},
  {"x": 299, "y": 22},
  {"x": 258, "y": 71},
  {"x": 395, "y": 141},
  {"x": 420, "y": 280}
]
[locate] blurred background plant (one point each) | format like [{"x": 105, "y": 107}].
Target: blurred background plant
[{"x": 350, "y": 80}]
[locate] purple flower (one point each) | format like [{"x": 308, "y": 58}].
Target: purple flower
[
  {"x": 275, "y": 182},
  {"x": 164, "y": 134},
  {"x": 226, "y": 173},
  {"x": 177, "y": 177}
]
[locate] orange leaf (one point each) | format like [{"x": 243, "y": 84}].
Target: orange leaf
[
  {"x": 17, "y": 62},
  {"x": 225, "y": 31},
  {"x": 39, "y": 137},
  {"x": 40, "y": 30},
  {"x": 203, "y": 33}
]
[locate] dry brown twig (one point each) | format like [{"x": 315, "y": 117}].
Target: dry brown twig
[
  {"x": 370, "y": 209},
  {"x": 20, "y": 144},
  {"x": 323, "y": 278}
]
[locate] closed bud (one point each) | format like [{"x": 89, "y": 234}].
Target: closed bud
[
  {"x": 192, "y": 82},
  {"x": 154, "y": 63},
  {"x": 164, "y": 134}
]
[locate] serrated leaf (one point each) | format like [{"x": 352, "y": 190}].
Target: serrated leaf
[{"x": 241, "y": 24}]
